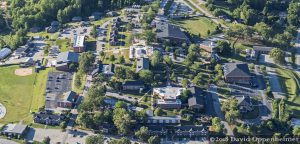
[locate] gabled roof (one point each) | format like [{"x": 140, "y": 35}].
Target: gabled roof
[
  {"x": 48, "y": 116},
  {"x": 69, "y": 96},
  {"x": 244, "y": 100},
  {"x": 142, "y": 64},
  {"x": 244, "y": 103},
  {"x": 236, "y": 70},
  {"x": 67, "y": 57},
  {"x": 197, "y": 98},
  {"x": 166, "y": 30}
]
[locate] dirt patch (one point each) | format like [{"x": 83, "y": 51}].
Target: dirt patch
[{"x": 23, "y": 71}]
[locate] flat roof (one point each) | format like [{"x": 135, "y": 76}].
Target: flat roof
[
  {"x": 14, "y": 128},
  {"x": 168, "y": 92},
  {"x": 79, "y": 41}
]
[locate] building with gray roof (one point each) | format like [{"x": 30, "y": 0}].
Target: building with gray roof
[
  {"x": 14, "y": 130},
  {"x": 142, "y": 64},
  {"x": 170, "y": 32},
  {"x": 4, "y": 53},
  {"x": 197, "y": 100},
  {"x": 64, "y": 59},
  {"x": 237, "y": 73}
]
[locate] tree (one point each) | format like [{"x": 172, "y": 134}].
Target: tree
[
  {"x": 149, "y": 36},
  {"x": 122, "y": 120},
  {"x": 120, "y": 72},
  {"x": 278, "y": 55},
  {"x": 154, "y": 140},
  {"x": 121, "y": 60},
  {"x": 230, "y": 107},
  {"x": 296, "y": 131},
  {"x": 77, "y": 81},
  {"x": 158, "y": 112},
  {"x": 95, "y": 139},
  {"x": 46, "y": 140},
  {"x": 198, "y": 79},
  {"x": 142, "y": 134},
  {"x": 293, "y": 16},
  {"x": 121, "y": 104},
  {"x": 146, "y": 76},
  {"x": 263, "y": 29},
  {"x": 223, "y": 48},
  {"x": 86, "y": 61},
  {"x": 168, "y": 61},
  {"x": 156, "y": 58},
  {"x": 185, "y": 95},
  {"x": 185, "y": 82},
  {"x": 217, "y": 125},
  {"x": 94, "y": 32},
  {"x": 112, "y": 58}
]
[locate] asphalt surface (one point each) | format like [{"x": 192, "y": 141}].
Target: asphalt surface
[
  {"x": 274, "y": 82},
  {"x": 217, "y": 107}
]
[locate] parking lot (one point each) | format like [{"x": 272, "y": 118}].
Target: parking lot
[
  {"x": 75, "y": 30},
  {"x": 57, "y": 84}
]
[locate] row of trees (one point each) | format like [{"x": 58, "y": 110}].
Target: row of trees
[{"x": 39, "y": 13}]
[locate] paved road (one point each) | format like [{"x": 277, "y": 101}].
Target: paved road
[
  {"x": 265, "y": 109},
  {"x": 118, "y": 96},
  {"x": 274, "y": 82},
  {"x": 208, "y": 14},
  {"x": 5, "y": 141},
  {"x": 217, "y": 107}
]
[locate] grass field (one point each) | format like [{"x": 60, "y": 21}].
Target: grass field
[
  {"x": 199, "y": 25},
  {"x": 64, "y": 44},
  {"x": 19, "y": 95},
  {"x": 290, "y": 85}
]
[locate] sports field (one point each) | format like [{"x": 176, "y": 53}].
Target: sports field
[{"x": 21, "y": 94}]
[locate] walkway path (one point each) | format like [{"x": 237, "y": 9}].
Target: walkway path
[{"x": 217, "y": 107}]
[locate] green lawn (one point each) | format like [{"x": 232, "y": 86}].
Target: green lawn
[
  {"x": 19, "y": 95},
  {"x": 100, "y": 22},
  {"x": 290, "y": 85},
  {"x": 64, "y": 44},
  {"x": 39, "y": 90},
  {"x": 199, "y": 25}
]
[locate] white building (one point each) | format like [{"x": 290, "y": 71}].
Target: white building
[
  {"x": 164, "y": 119},
  {"x": 169, "y": 97},
  {"x": 140, "y": 51}
]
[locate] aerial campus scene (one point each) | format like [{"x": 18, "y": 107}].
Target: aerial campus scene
[{"x": 149, "y": 71}]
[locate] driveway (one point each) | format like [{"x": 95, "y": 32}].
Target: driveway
[
  {"x": 5, "y": 141},
  {"x": 122, "y": 97},
  {"x": 274, "y": 83},
  {"x": 56, "y": 135},
  {"x": 217, "y": 107}
]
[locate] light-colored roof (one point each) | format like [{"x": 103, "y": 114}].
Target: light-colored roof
[
  {"x": 79, "y": 41},
  {"x": 168, "y": 92},
  {"x": 178, "y": 117},
  {"x": 14, "y": 128}
]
